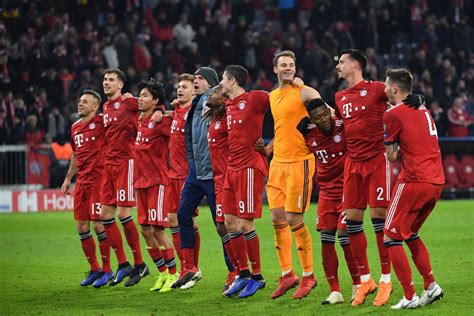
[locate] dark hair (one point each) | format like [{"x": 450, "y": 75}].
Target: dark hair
[
  {"x": 118, "y": 72},
  {"x": 314, "y": 104},
  {"x": 155, "y": 87},
  {"x": 239, "y": 73},
  {"x": 186, "y": 77},
  {"x": 216, "y": 113},
  {"x": 93, "y": 93},
  {"x": 356, "y": 55},
  {"x": 402, "y": 77},
  {"x": 287, "y": 53}
]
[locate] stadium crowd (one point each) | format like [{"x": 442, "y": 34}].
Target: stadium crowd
[{"x": 50, "y": 51}]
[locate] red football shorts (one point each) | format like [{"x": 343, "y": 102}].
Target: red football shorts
[
  {"x": 87, "y": 202},
  {"x": 242, "y": 196},
  {"x": 410, "y": 206},
  {"x": 150, "y": 208},
  {"x": 365, "y": 182},
  {"x": 173, "y": 195},
  {"x": 117, "y": 185},
  {"x": 219, "y": 213},
  {"x": 330, "y": 215}
]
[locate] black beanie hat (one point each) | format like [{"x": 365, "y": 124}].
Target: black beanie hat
[{"x": 209, "y": 74}]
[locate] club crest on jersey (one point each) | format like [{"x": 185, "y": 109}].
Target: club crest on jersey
[
  {"x": 337, "y": 138},
  {"x": 242, "y": 105},
  {"x": 151, "y": 125},
  {"x": 91, "y": 125},
  {"x": 363, "y": 92},
  {"x": 116, "y": 105},
  {"x": 218, "y": 125}
]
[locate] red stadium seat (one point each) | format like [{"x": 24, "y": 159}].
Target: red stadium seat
[
  {"x": 451, "y": 170},
  {"x": 466, "y": 172}
]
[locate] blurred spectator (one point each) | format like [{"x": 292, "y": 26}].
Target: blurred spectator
[
  {"x": 459, "y": 119},
  {"x": 56, "y": 125},
  {"x": 184, "y": 33},
  {"x": 34, "y": 135}
]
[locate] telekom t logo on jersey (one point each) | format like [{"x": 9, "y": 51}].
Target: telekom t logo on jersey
[
  {"x": 322, "y": 155},
  {"x": 79, "y": 140},
  {"x": 347, "y": 109}
]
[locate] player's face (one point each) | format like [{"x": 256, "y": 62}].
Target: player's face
[
  {"x": 185, "y": 91},
  {"x": 321, "y": 116},
  {"x": 285, "y": 69},
  {"x": 226, "y": 83},
  {"x": 390, "y": 91},
  {"x": 200, "y": 85},
  {"x": 111, "y": 84},
  {"x": 145, "y": 101},
  {"x": 87, "y": 104},
  {"x": 344, "y": 66},
  {"x": 216, "y": 98}
]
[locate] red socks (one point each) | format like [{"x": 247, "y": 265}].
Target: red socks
[
  {"x": 115, "y": 239},
  {"x": 253, "y": 251},
  {"x": 401, "y": 266},
  {"x": 358, "y": 243},
  {"x": 155, "y": 255},
  {"x": 330, "y": 261},
  {"x": 384, "y": 256},
  {"x": 168, "y": 255},
  {"x": 133, "y": 239},
  {"x": 88, "y": 246},
  {"x": 239, "y": 248},
  {"x": 176, "y": 241},
  {"x": 421, "y": 258},
  {"x": 230, "y": 252},
  {"x": 104, "y": 248},
  {"x": 188, "y": 258},
  {"x": 350, "y": 260},
  {"x": 197, "y": 246}
]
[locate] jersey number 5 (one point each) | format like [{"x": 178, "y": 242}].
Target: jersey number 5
[{"x": 431, "y": 125}]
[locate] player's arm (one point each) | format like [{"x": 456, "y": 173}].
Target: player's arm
[
  {"x": 308, "y": 93},
  {"x": 392, "y": 151},
  {"x": 261, "y": 148},
  {"x": 71, "y": 172}
]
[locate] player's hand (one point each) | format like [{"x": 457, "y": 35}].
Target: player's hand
[
  {"x": 127, "y": 95},
  {"x": 414, "y": 100},
  {"x": 65, "y": 187},
  {"x": 175, "y": 103},
  {"x": 302, "y": 126},
  {"x": 260, "y": 146},
  {"x": 297, "y": 82},
  {"x": 157, "y": 117}
]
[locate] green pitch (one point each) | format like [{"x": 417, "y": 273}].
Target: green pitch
[{"x": 41, "y": 264}]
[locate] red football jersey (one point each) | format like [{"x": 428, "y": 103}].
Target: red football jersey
[
  {"x": 121, "y": 121},
  {"x": 151, "y": 148},
  {"x": 330, "y": 152},
  {"x": 415, "y": 132},
  {"x": 87, "y": 142},
  {"x": 361, "y": 108},
  {"x": 219, "y": 150},
  {"x": 178, "y": 162},
  {"x": 244, "y": 122}
]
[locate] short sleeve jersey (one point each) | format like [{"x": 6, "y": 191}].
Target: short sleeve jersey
[
  {"x": 361, "y": 108},
  {"x": 151, "y": 149},
  {"x": 87, "y": 142},
  {"x": 287, "y": 110},
  {"x": 245, "y": 116},
  {"x": 330, "y": 152},
  {"x": 178, "y": 164},
  {"x": 415, "y": 132},
  {"x": 219, "y": 151},
  {"x": 120, "y": 121}
]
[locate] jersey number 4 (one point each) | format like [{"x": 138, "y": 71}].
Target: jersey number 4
[{"x": 431, "y": 125}]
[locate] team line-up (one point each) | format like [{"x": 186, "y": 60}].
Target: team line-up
[{"x": 210, "y": 144}]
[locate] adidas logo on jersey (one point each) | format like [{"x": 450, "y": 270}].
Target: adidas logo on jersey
[{"x": 393, "y": 230}]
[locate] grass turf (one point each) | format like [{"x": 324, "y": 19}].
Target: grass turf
[{"x": 42, "y": 264}]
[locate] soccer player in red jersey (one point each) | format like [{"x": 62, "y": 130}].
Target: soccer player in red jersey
[
  {"x": 367, "y": 171},
  {"x": 150, "y": 181},
  {"x": 245, "y": 177},
  {"x": 325, "y": 137},
  {"x": 219, "y": 151},
  {"x": 410, "y": 135},
  {"x": 88, "y": 163},
  {"x": 121, "y": 122},
  {"x": 178, "y": 165}
]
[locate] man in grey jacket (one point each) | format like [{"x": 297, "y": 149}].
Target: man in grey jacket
[{"x": 199, "y": 182}]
